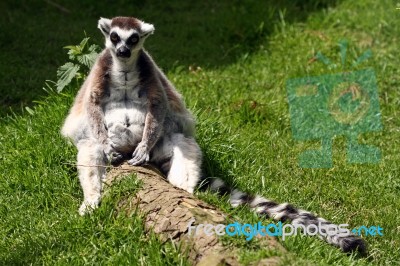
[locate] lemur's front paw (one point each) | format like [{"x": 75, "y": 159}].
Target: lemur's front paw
[
  {"x": 113, "y": 156},
  {"x": 140, "y": 155}
]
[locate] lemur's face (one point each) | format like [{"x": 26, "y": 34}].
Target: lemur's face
[
  {"x": 124, "y": 35},
  {"x": 122, "y": 42}
]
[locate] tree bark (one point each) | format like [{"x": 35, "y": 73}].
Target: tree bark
[{"x": 168, "y": 210}]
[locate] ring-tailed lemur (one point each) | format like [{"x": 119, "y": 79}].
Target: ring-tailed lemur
[{"x": 128, "y": 109}]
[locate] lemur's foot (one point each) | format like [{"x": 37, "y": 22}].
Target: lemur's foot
[
  {"x": 87, "y": 207},
  {"x": 117, "y": 158},
  {"x": 113, "y": 156},
  {"x": 182, "y": 184}
]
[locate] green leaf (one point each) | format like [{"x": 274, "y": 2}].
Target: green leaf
[
  {"x": 83, "y": 43},
  {"x": 82, "y": 53},
  {"x": 87, "y": 59},
  {"x": 94, "y": 48},
  {"x": 74, "y": 50},
  {"x": 65, "y": 74}
]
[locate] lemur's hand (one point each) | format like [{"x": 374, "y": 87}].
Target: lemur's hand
[
  {"x": 112, "y": 155},
  {"x": 140, "y": 155}
]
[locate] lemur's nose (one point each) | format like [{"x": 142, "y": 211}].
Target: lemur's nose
[{"x": 123, "y": 51}]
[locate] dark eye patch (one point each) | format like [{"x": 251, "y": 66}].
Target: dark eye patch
[
  {"x": 134, "y": 39},
  {"x": 114, "y": 38}
]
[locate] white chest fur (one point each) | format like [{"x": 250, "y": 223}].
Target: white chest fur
[{"x": 125, "y": 105}]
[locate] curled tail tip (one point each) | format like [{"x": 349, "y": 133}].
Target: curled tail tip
[{"x": 354, "y": 244}]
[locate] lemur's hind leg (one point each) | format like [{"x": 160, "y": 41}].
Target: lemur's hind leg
[
  {"x": 91, "y": 162},
  {"x": 179, "y": 158}
]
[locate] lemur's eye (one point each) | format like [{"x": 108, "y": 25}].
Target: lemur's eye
[
  {"x": 134, "y": 39},
  {"x": 114, "y": 37}
]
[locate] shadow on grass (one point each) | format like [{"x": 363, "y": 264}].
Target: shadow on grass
[{"x": 200, "y": 33}]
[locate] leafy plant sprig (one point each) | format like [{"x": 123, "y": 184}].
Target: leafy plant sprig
[{"x": 82, "y": 58}]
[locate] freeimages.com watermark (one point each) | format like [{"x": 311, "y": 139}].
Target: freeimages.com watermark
[{"x": 279, "y": 229}]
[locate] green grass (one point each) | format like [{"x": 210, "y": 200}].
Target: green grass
[{"x": 246, "y": 53}]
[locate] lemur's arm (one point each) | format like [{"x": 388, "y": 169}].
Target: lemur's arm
[{"x": 98, "y": 85}]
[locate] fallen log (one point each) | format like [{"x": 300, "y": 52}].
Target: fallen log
[{"x": 168, "y": 210}]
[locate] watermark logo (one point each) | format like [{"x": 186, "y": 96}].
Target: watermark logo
[
  {"x": 368, "y": 231},
  {"x": 346, "y": 103},
  {"x": 249, "y": 231}
]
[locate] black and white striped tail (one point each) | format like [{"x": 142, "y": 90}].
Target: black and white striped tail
[{"x": 285, "y": 212}]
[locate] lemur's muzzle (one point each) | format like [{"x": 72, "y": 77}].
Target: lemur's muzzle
[{"x": 124, "y": 52}]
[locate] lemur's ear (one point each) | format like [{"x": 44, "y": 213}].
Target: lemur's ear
[
  {"x": 146, "y": 29},
  {"x": 104, "y": 25}
]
